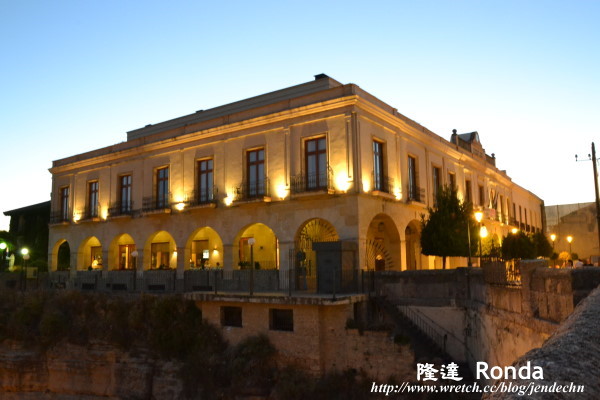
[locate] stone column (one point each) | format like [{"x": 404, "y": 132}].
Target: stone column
[
  {"x": 285, "y": 266},
  {"x": 228, "y": 257},
  {"x": 105, "y": 263}
]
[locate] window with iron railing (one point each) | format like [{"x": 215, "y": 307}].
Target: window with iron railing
[
  {"x": 255, "y": 174},
  {"x": 64, "y": 204},
  {"x": 124, "y": 202},
  {"x": 204, "y": 189},
  {"x": 379, "y": 178},
  {"x": 91, "y": 208},
  {"x": 315, "y": 158}
]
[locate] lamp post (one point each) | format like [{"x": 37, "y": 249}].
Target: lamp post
[
  {"x": 469, "y": 263},
  {"x": 478, "y": 218},
  {"x": 570, "y": 239},
  {"x": 251, "y": 242},
  {"x": 3, "y": 247},
  {"x": 553, "y": 238},
  {"x": 25, "y": 254}
]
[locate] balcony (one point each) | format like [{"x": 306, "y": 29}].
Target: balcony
[
  {"x": 59, "y": 217},
  {"x": 415, "y": 194},
  {"x": 249, "y": 191},
  {"x": 157, "y": 204},
  {"x": 198, "y": 198},
  {"x": 317, "y": 182},
  {"x": 91, "y": 213},
  {"x": 382, "y": 183},
  {"x": 120, "y": 209}
]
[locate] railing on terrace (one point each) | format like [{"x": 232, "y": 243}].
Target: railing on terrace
[
  {"x": 91, "y": 211},
  {"x": 312, "y": 182},
  {"x": 415, "y": 193},
  {"x": 201, "y": 197},
  {"x": 499, "y": 272},
  {"x": 120, "y": 208},
  {"x": 382, "y": 183},
  {"x": 155, "y": 203},
  {"x": 250, "y": 190},
  {"x": 57, "y": 217}
]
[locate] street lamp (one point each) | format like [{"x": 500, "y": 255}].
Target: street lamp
[
  {"x": 553, "y": 238},
  {"x": 478, "y": 218},
  {"x": 251, "y": 242},
  {"x": 570, "y": 239},
  {"x": 25, "y": 254}
]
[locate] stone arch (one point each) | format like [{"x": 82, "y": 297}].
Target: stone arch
[
  {"x": 120, "y": 252},
  {"x": 265, "y": 250},
  {"x": 61, "y": 256},
  {"x": 204, "y": 249},
  {"x": 382, "y": 248},
  {"x": 89, "y": 255},
  {"x": 311, "y": 231},
  {"x": 160, "y": 251},
  {"x": 412, "y": 235}
]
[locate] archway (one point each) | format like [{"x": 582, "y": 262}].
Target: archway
[
  {"x": 204, "y": 249},
  {"x": 120, "y": 252},
  {"x": 383, "y": 244},
  {"x": 264, "y": 251},
  {"x": 61, "y": 256},
  {"x": 312, "y": 231},
  {"x": 413, "y": 245},
  {"x": 160, "y": 251},
  {"x": 89, "y": 256}
]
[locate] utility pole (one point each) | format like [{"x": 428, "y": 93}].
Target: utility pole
[{"x": 595, "y": 166}]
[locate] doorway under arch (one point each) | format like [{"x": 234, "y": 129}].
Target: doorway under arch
[{"x": 382, "y": 250}]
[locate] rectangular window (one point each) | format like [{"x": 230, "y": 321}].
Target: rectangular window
[
  {"x": 255, "y": 169},
  {"x": 481, "y": 196},
  {"x": 452, "y": 179},
  {"x": 281, "y": 320},
  {"x": 413, "y": 190},
  {"x": 92, "y": 199},
  {"x": 64, "y": 203},
  {"x": 125, "y": 194},
  {"x": 468, "y": 192},
  {"x": 379, "y": 181},
  {"x": 437, "y": 184},
  {"x": 231, "y": 316},
  {"x": 316, "y": 164},
  {"x": 205, "y": 181},
  {"x": 162, "y": 187}
]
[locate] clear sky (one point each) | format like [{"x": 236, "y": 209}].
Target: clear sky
[{"x": 77, "y": 75}]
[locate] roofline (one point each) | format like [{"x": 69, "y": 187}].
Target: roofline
[{"x": 27, "y": 208}]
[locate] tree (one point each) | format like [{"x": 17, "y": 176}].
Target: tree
[
  {"x": 517, "y": 246},
  {"x": 444, "y": 231},
  {"x": 542, "y": 246}
]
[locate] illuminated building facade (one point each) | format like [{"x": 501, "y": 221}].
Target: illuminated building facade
[{"x": 270, "y": 175}]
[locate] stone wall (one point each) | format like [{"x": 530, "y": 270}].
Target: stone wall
[{"x": 93, "y": 372}]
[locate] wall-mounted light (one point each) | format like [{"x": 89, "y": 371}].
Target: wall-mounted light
[
  {"x": 342, "y": 182},
  {"x": 180, "y": 206},
  {"x": 228, "y": 200},
  {"x": 282, "y": 191}
]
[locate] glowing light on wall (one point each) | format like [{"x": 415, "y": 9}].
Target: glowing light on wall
[
  {"x": 104, "y": 213},
  {"x": 180, "y": 206},
  {"x": 397, "y": 193},
  {"x": 228, "y": 200},
  {"x": 282, "y": 191},
  {"x": 76, "y": 217},
  {"x": 342, "y": 182},
  {"x": 366, "y": 184}
]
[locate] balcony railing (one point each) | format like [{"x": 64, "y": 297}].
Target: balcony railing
[
  {"x": 120, "y": 208},
  {"x": 252, "y": 190},
  {"x": 415, "y": 193},
  {"x": 382, "y": 183},
  {"x": 58, "y": 217},
  {"x": 312, "y": 182},
  {"x": 200, "y": 197},
  {"x": 91, "y": 211},
  {"x": 155, "y": 203}
]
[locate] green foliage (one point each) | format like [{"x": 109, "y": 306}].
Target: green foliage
[
  {"x": 253, "y": 363},
  {"x": 444, "y": 231},
  {"x": 293, "y": 384},
  {"x": 517, "y": 246},
  {"x": 542, "y": 246}
]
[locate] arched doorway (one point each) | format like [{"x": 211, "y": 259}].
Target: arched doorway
[
  {"x": 312, "y": 231},
  {"x": 256, "y": 242},
  {"x": 160, "y": 251},
  {"x": 382, "y": 250},
  {"x": 89, "y": 256},
  {"x": 120, "y": 252},
  {"x": 204, "y": 249},
  {"x": 412, "y": 235},
  {"x": 61, "y": 256}
]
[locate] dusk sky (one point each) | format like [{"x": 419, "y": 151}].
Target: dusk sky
[{"x": 77, "y": 75}]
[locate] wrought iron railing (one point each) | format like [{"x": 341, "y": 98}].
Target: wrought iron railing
[
  {"x": 120, "y": 208},
  {"x": 153, "y": 203},
  {"x": 57, "y": 217},
  {"x": 252, "y": 190},
  {"x": 202, "y": 196},
  {"x": 91, "y": 211},
  {"x": 382, "y": 183},
  {"x": 312, "y": 182},
  {"x": 415, "y": 193}
]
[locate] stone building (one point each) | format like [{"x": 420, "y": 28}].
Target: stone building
[
  {"x": 261, "y": 179},
  {"x": 578, "y": 221}
]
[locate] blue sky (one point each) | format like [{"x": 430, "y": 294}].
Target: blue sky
[{"x": 77, "y": 75}]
